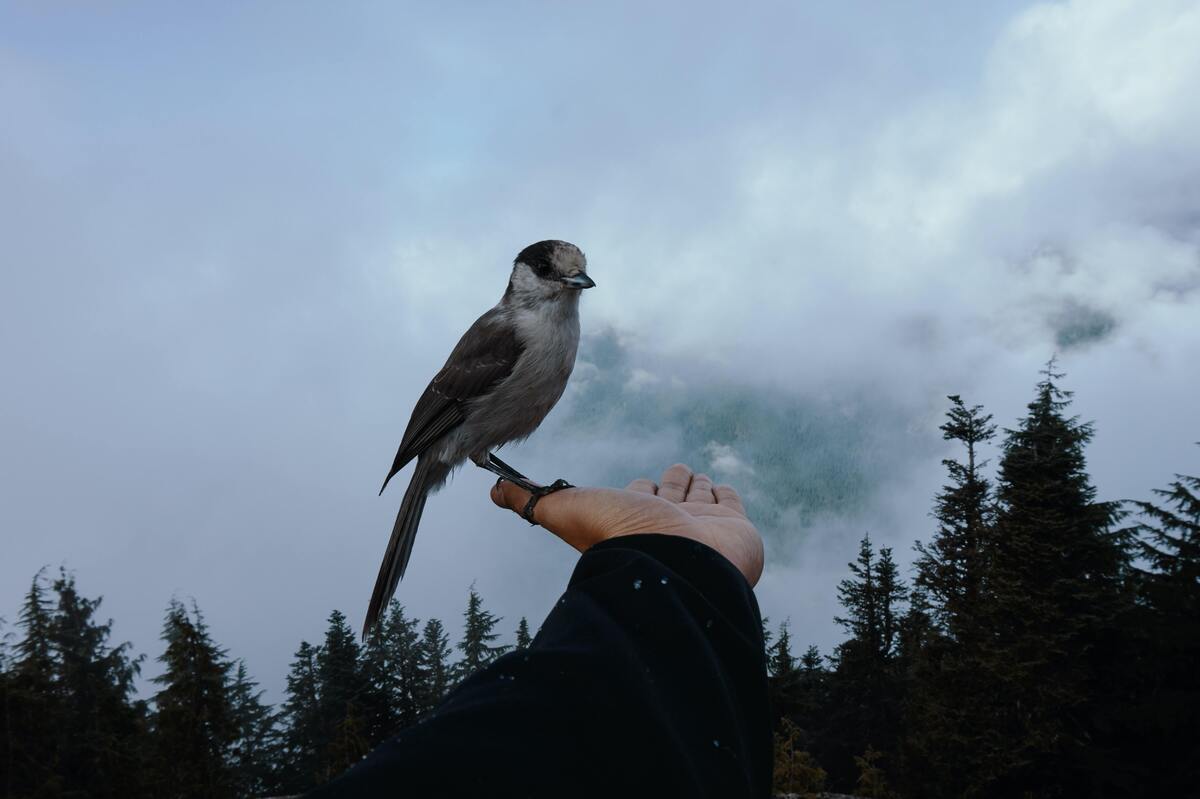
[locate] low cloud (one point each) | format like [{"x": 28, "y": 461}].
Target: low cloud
[{"x": 234, "y": 259}]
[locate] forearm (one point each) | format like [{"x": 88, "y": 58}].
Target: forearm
[{"x": 648, "y": 676}]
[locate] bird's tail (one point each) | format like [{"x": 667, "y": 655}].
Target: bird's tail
[{"x": 428, "y": 475}]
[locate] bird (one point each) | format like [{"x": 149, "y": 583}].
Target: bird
[{"x": 501, "y": 380}]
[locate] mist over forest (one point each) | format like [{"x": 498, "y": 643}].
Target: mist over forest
[{"x": 236, "y": 244}]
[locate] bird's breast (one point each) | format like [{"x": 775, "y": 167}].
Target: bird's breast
[{"x": 516, "y": 406}]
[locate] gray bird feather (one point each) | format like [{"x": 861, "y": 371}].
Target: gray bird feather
[{"x": 501, "y": 380}]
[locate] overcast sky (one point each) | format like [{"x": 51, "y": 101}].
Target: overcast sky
[{"x": 236, "y": 243}]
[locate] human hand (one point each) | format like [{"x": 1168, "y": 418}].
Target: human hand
[{"x": 682, "y": 504}]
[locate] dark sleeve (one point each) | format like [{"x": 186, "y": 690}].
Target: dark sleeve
[{"x": 648, "y": 678}]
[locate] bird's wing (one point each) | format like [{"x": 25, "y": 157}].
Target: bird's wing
[{"x": 484, "y": 356}]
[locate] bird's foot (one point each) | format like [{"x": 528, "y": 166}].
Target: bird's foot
[{"x": 536, "y": 492}]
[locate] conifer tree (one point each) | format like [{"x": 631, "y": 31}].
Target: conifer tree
[
  {"x": 391, "y": 698},
  {"x": 403, "y": 638},
  {"x": 865, "y": 686},
  {"x": 1171, "y": 543},
  {"x": 871, "y": 597},
  {"x": 524, "y": 639},
  {"x": 478, "y": 634},
  {"x": 433, "y": 665},
  {"x": 781, "y": 675},
  {"x": 796, "y": 771},
  {"x": 892, "y": 593},
  {"x": 811, "y": 662},
  {"x": 1055, "y": 597},
  {"x": 303, "y": 735},
  {"x": 100, "y": 731},
  {"x": 810, "y": 693},
  {"x": 33, "y": 704},
  {"x": 194, "y": 725},
  {"x": 1164, "y": 724},
  {"x": 951, "y": 568},
  {"x": 872, "y": 782},
  {"x": 341, "y": 687},
  {"x": 946, "y": 705},
  {"x": 382, "y": 684},
  {"x": 781, "y": 664},
  {"x": 256, "y": 749}
]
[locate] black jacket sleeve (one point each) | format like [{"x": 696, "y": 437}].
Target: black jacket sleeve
[{"x": 648, "y": 678}]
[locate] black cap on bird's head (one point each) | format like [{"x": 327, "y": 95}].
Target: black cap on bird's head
[{"x": 556, "y": 261}]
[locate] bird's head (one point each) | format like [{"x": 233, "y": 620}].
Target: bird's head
[{"x": 546, "y": 271}]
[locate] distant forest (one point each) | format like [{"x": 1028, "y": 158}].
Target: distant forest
[{"x": 1046, "y": 644}]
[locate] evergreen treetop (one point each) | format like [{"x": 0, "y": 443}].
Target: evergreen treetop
[
  {"x": 194, "y": 722},
  {"x": 952, "y": 567},
  {"x": 524, "y": 639},
  {"x": 478, "y": 633},
  {"x": 433, "y": 664}
]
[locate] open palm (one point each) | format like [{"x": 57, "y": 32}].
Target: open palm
[{"x": 682, "y": 503}]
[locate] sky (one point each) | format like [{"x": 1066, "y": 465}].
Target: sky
[{"x": 236, "y": 242}]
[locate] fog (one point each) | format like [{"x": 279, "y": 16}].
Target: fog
[{"x": 235, "y": 246}]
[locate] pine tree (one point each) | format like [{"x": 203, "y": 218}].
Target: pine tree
[
  {"x": 811, "y": 688},
  {"x": 194, "y": 725},
  {"x": 341, "y": 687},
  {"x": 100, "y": 731},
  {"x": 524, "y": 639},
  {"x": 872, "y": 782},
  {"x": 34, "y": 707},
  {"x": 782, "y": 675},
  {"x": 478, "y": 634},
  {"x": 1163, "y": 724},
  {"x": 871, "y": 597},
  {"x": 945, "y": 709},
  {"x": 433, "y": 665},
  {"x": 303, "y": 735},
  {"x": 811, "y": 662},
  {"x": 865, "y": 686},
  {"x": 256, "y": 748},
  {"x": 1171, "y": 543},
  {"x": 1055, "y": 596},
  {"x": 796, "y": 770},
  {"x": 810, "y": 696},
  {"x": 951, "y": 569},
  {"x": 892, "y": 593},
  {"x": 780, "y": 661},
  {"x": 403, "y": 639},
  {"x": 382, "y": 681},
  {"x": 389, "y": 664}
]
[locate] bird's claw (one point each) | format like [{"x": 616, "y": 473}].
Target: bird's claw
[{"x": 537, "y": 492}]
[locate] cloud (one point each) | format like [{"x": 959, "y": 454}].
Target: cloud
[
  {"x": 724, "y": 461},
  {"x": 232, "y": 260}
]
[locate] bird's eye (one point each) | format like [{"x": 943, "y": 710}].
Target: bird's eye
[{"x": 542, "y": 270}]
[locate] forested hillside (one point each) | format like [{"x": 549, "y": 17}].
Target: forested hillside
[{"x": 1045, "y": 644}]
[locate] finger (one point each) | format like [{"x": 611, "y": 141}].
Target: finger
[
  {"x": 563, "y": 513},
  {"x": 642, "y": 486},
  {"x": 728, "y": 497},
  {"x": 701, "y": 490},
  {"x": 509, "y": 495},
  {"x": 674, "y": 483}
]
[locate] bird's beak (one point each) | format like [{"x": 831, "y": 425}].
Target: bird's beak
[{"x": 580, "y": 281}]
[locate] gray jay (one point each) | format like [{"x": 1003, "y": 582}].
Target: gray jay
[{"x": 506, "y": 373}]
